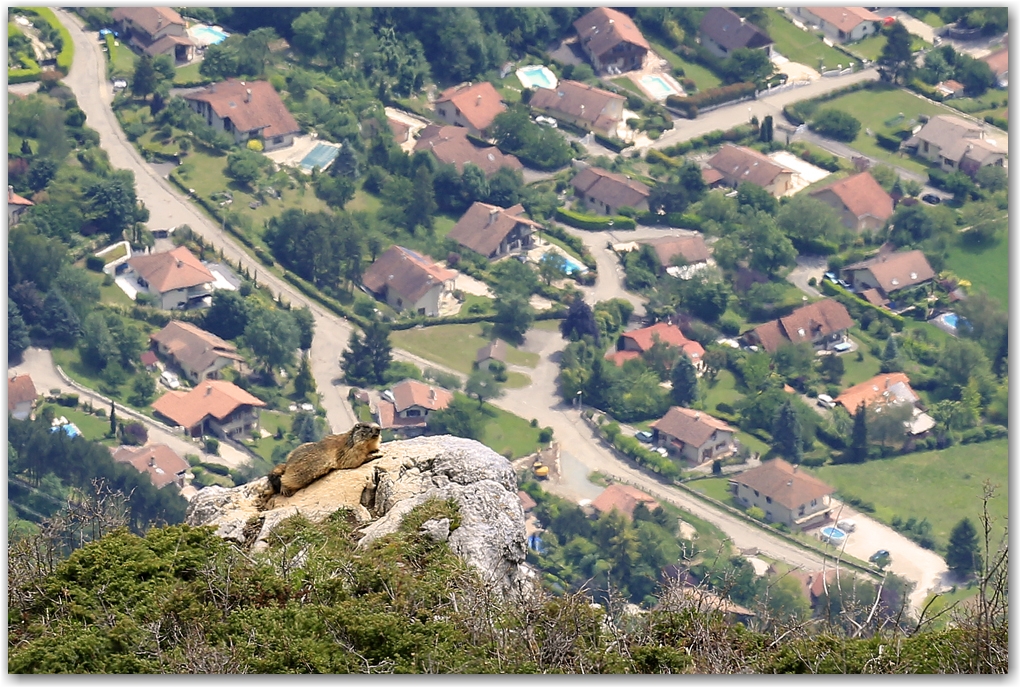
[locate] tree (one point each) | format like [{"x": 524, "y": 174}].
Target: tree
[
  {"x": 747, "y": 64},
  {"x": 98, "y": 347},
  {"x": 59, "y": 321},
  {"x": 962, "y": 554},
  {"x": 831, "y": 368},
  {"x": 356, "y": 363},
  {"x": 887, "y": 422},
  {"x": 757, "y": 198},
  {"x": 245, "y": 166},
  {"x": 992, "y": 178},
  {"x": 514, "y": 316},
  {"x": 378, "y": 348},
  {"x": 986, "y": 321},
  {"x": 145, "y": 77},
  {"x": 685, "y": 382},
  {"x": 786, "y": 433},
  {"x": 272, "y": 336},
  {"x": 580, "y": 322},
  {"x": 706, "y": 295},
  {"x": 305, "y": 322},
  {"x": 836, "y": 124},
  {"x": 891, "y": 356},
  {"x": 552, "y": 266},
  {"x": 793, "y": 360},
  {"x": 473, "y": 184},
  {"x": 17, "y": 332},
  {"x": 308, "y": 32},
  {"x": 482, "y": 385},
  {"x": 336, "y": 191},
  {"x": 806, "y": 220},
  {"x": 975, "y": 75},
  {"x": 767, "y": 131},
  {"x": 112, "y": 203},
  {"x": 983, "y": 220},
  {"x": 113, "y": 419},
  {"x": 304, "y": 382},
  {"x": 896, "y": 61},
  {"x": 661, "y": 357},
  {"x": 144, "y": 387},
  {"x": 461, "y": 418},
  {"x": 505, "y": 187},
  {"x": 770, "y": 249},
  {"x": 227, "y": 317},
  {"x": 306, "y": 428},
  {"x": 346, "y": 163}
]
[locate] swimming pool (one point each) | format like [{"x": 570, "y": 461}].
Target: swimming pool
[
  {"x": 321, "y": 156},
  {"x": 207, "y": 35},
  {"x": 833, "y": 534},
  {"x": 536, "y": 76},
  {"x": 658, "y": 87},
  {"x": 951, "y": 318},
  {"x": 573, "y": 266}
]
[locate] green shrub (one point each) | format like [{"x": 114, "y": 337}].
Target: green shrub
[
  {"x": 594, "y": 222},
  {"x": 691, "y": 104},
  {"x": 95, "y": 263},
  {"x": 756, "y": 513},
  {"x": 212, "y": 445}
]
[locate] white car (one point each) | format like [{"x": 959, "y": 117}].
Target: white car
[
  {"x": 170, "y": 379},
  {"x": 825, "y": 401},
  {"x": 846, "y": 525},
  {"x": 546, "y": 121}
]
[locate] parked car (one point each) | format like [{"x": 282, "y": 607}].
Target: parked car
[
  {"x": 170, "y": 379},
  {"x": 825, "y": 401},
  {"x": 546, "y": 121},
  {"x": 643, "y": 436},
  {"x": 931, "y": 199},
  {"x": 881, "y": 553},
  {"x": 662, "y": 452},
  {"x": 847, "y": 525}
]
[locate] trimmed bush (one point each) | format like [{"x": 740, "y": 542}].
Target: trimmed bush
[
  {"x": 852, "y": 302},
  {"x": 594, "y": 222},
  {"x": 691, "y": 104},
  {"x": 95, "y": 263},
  {"x": 614, "y": 144}
]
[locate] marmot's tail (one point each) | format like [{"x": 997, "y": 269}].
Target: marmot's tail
[{"x": 274, "y": 477}]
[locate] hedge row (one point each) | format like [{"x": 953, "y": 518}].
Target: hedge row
[
  {"x": 656, "y": 155},
  {"x": 23, "y": 75},
  {"x": 595, "y": 222},
  {"x": 853, "y": 302},
  {"x": 575, "y": 244},
  {"x": 632, "y": 448},
  {"x": 738, "y": 134},
  {"x": 997, "y": 121},
  {"x": 690, "y": 104},
  {"x": 614, "y": 144}
]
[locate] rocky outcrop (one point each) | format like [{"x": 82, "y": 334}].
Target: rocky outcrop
[{"x": 380, "y": 493}]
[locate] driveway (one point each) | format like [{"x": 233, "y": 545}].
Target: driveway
[
  {"x": 914, "y": 26},
  {"x": 808, "y": 266},
  {"x": 907, "y": 559}
]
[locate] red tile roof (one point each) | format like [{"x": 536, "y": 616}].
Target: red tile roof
[
  {"x": 411, "y": 392},
  {"x": 20, "y": 389},
  {"x": 615, "y": 190},
  {"x": 784, "y": 483},
  {"x": 620, "y": 357},
  {"x": 148, "y": 358},
  {"x": 895, "y": 271},
  {"x": 875, "y": 390},
  {"x": 577, "y": 100},
  {"x": 804, "y": 324},
  {"x": 862, "y": 196},
  {"x": 176, "y": 269},
  {"x": 603, "y": 29},
  {"x": 262, "y": 111},
  {"x": 212, "y": 398},
  {"x": 451, "y": 146},
  {"x": 527, "y": 503},
  {"x": 998, "y": 61},
  {"x": 668, "y": 334},
  {"x": 483, "y": 227},
  {"x": 159, "y": 460},
  {"x": 14, "y": 199},
  {"x": 738, "y": 164},
  {"x": 388, "y": 418},
  {"x": 844, "y": 18},
  {"x": 623, "y": 498},
  {"x": 477, "y": 103},
  {"x": 192, "y": 347},
  {"x": 406, "y": 273},
  {"x": 692, "y": 427},
  {"x": 693, "y": 249},
  {"x": 152, "y": 19}
]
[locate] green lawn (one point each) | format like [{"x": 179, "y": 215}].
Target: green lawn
[
  {"x": 942, "y": 486},
  {"x": 92, "y": 427},
  {"x": 986, "y": 267},
  {"x": 858, "y": 371},
  {"x": 122, "y": 58},
  {"x": 507, "y": 432},
  {"x": 948, "y": 600},
  {"x": 454, "y": 345},
  {"x": 716, "y": 487},
  {"x": 802, "y": 46},
  {"x": 271, "y": 421},
  {"x": 517, "y": 380},
  {"x": 188, "y": 74},
  {"x": 69, "y": 360},
  {"x": 626, "y": 83},
  {"x": 876, "y": 107},
  {"x": 702, "y": 76},
  {"x": 547, "y": 325},
  {"x": 722, "y": 390},
  {"x": 871, "y": 47},
  {"x": 931, "y": 19}
]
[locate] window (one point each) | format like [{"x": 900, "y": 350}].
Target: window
[
  {"x": 278, "y": 140},
  {"x": 768, "y": 499},
  {"x": 756, "y": 493},
  {"x": 413, "y": 412},
  {"x": 814, "y": 502},
  {"x": 421, "y": 311}
]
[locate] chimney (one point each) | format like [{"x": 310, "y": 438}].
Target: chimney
[
  {"x": 10, "y": 193},
  {"x": 789, "y": 483},
  {"x": 493, "y": 214},
  {"x": 697, "y": 417},
  {"x": 886, "y": 382},
  {"x": 208, "y": 389},
  {"x": 478, "y": 101},
  {"x": 432, "y": 394},
  {"x": 159, "y": 22},
  {"x": 152, "y": 460},
  {"x": 247, "y": 95},
  {"x": 795, "y": 469},
  {"x": 180, "y": 263}
]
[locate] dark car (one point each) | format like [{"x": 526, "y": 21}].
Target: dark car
[
  {"x": 646, "y": 437},
  {"x": 931, "y": 199},
  {"x": 881, "y": 553}
]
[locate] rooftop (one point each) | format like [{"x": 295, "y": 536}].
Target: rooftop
[
  {"x": 805, "y": 324},
  {"x": 152, "y": 19},
  {"x": 407, "y": 273},
  {"x": 250, "y": 105},
  {"x": 192, "y": 347},
  {"x": 692, "y": 427},
  {"x": 624, "y": 498},
  {"x": 740, "y": 164},
  {"x": 603, "y": 28},
  {"x": 729, "y": 30},
  {"x": 615, "y": 190},
  {"x": 171, "y": 270},
  {"x": 577, "y": 100},
  {"x": 844, "y": 18},
  {"x": 159, "y": 460},
  {"x": 411, "y": 392},
  {"x": 483, "y": 227},
  {"x": 214, "y": 398},
  {"x": 862, "y": 196},
  {"x": 894, "y": 271},
  {"x": 668, "y": 334},
  {"x": 478, "y": 103},
  {"x": 20, "y": 389},
  {"x": 450, "y": 145},
  {"x": 784, "y": 483},
  {"x": 891, "y": 387}
]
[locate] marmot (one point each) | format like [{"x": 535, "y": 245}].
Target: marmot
[{"x": 308, "y": 462}]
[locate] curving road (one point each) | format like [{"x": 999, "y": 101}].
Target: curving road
[{"x": 540, "y": 400}]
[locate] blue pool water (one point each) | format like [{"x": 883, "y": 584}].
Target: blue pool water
[
  {"x": 208, "y": 35},
  {"x": 69, "y": 429},
  {"x": 320, "y": 156},
  {"x": 658, "y": 86},
  {"x": 536, "y": 76},
  {"x": 833, "y": 533},
  {"x": 951, "y": 319},
  {"x": 573, "y": 266}
]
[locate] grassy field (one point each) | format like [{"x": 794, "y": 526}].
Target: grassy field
[
  {"x": 702, "y": 76},
  {"x": 859, "y": 371},
  {"x": 942, "y": 486},
  {"x": 986, "y": 267},
  {"x": 92, "y": 427},
  {"x": 122, "y": 58},
  {"x": 507, "y": 432},
  {"x": 626, "y": 83},
  {"x": 871, "y": 47},
  {"x": 270, "y": 421},
  {"x": 454, "y": 345},
  {"x": 187, "y": 74},
  {"x": 801, "y": 46},
  {"x": 517, "y": 380},
  {"x": 69, "y": 359},
  {"x": 716, "y": 487},
  {"x": 722, "y": 390},
  {"x": 876, "y": 107}
]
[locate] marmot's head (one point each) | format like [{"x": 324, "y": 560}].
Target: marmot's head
[{"x": 365, "y": 432}]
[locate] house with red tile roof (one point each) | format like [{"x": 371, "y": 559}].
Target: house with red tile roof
[
  {"x": 624, "y": 499},
  {"x": 176, "y": 277},
  {"x": 955, "y": 144},
  {"x": 823, "y": 324},
  {"x": 246, "y": 110},
  {"x": 409, "y": 404},
  {"x": 198, "y": 353},
  {"x": 155, "y": 31},
  {"x": 784, "y": 493},
  {"x": 692, "y": 249},
  {"x": 640, "y": 340},
  {"x": 492, "y": 231},
  {"x": 950, "y": 88},
  {"x": 889, "y": 273},
  {"x": 450, "y": 146},
  {"x": 16, "y": 206},
  {"x": 860, "y": 201},
  {"x": 604, "y": 193},
  {"x": 590, "y": 108},
  {"x": 611, "y": 39},
  {"x": 407, "y": 280},
  {"x": 999, "y": 63},
  {"x": 842, "y": 24},
  {"x": 214, "y": 406},
  {"x": 472, "y": 106},
  {"x": 21, "y": 396},
  {"x": 694, "y": 435},
  {"x": 738, "y": 165},
  {"x": 160, "y": 461},
  {"x": 722, "y": 31},
  {"x": 890, "y": 388}
]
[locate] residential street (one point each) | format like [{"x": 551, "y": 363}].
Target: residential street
[{"x": 540, "y": 400}]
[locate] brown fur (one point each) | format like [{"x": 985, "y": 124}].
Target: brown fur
[{"x": 308, "y": 462}]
